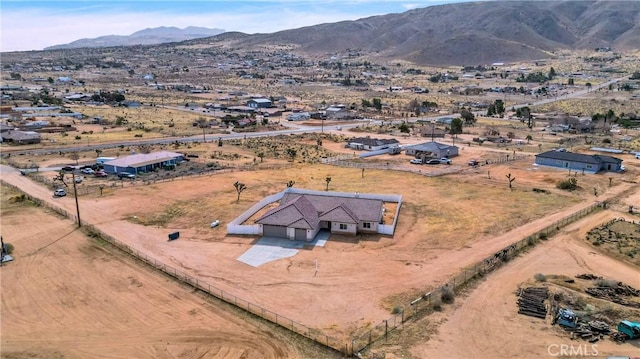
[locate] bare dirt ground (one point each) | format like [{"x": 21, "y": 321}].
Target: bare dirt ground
[
  {"x": 488, "y": 315},
  {"x": 66, "y": 296},
  {"x": 360, "y": 279}
]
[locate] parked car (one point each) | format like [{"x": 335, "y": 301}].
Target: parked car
[
  {"x": 79, "y": 179},
  {"x": 60, "y": 192},
  {"x": 87, "y": 171},
  {"x": 122, "y": 175},
  {"x": 445, "y": 161},
  {"x": 100, "y": 174},
  {"x": 416, "y": 161},
  {"x": 433, "y": 161},
  {"x": 473, "y": 163},
  {"x": 68, "y": 168}
]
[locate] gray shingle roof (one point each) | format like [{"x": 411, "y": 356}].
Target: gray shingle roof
[
  {"x": 306, "y": 210},
  {"x": 578, "y": 157}
]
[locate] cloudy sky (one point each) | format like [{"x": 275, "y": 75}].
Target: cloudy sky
[{"x": 33, "y": 25}]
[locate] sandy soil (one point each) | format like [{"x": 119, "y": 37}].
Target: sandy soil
[
  {"x": 359, "y": 280},
  {"x": 65, "y": 296},
  {"x": 492, "y": 327}
]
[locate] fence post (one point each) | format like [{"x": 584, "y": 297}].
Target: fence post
[{"x": 386, "y": 328}]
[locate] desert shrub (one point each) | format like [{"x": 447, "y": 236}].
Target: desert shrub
[
  {"x": 396, "y": 310},
  {"x": 78, "y": 137},
  {"x": 543, "y": 236},
  {"x": 539, "y": 190},
  {"x": 531, "y": 240},
  {"x": 569, "y": 184},
  {"x": 606, "y": 283},
  {"x": 436, "y": 304},
  {"x": 8, "y": 247},
  {"x": 606, "y": 140},
  {"x": 596, "y": 243},
  {"x": 17, "y": 198},
  {"x": 540, "y": 277},
  {"x": 447, "y": 295}
]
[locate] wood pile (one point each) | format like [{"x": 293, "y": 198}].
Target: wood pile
[
  {"x": 588, "y": 276},
  {"x": 616, "y": 294},
  {"x": 531, "y": 302},
  {"x": 592, "y": 331}
]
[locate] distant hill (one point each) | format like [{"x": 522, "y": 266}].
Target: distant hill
[
  {"x": 158, "y": 35},
  {"x": 472, "y": 33}
]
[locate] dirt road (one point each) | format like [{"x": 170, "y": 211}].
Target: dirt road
[{"x": 486, "y": 324}]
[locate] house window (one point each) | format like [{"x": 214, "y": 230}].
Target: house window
[
  {"x": 589, "y": 166},
  {"x": 366, "y": 225},
  {"x": 343, "y": 226}
]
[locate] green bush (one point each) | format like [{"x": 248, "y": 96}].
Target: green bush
[
  {"x": 569, "y": 184},
  {"x": 447, "y": 295},
  {"x": 396, "y": 310},
  {"x": 540, "y": 277},
  {"x": 8, "y": 247}
]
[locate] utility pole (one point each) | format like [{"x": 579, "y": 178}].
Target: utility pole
[{"x": 75, "y": 194}]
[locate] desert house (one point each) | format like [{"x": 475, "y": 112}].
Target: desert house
[
  {"x": 21, "y": 137},
  {"x": 259, "y": 103},
  {"x": 578, "y": 161},
  {"x": 302, "y": 216},
  {"x": 432, "y": 149},
  {"x": 143, "y": 162},
  {"x": 372, "y": 144}
]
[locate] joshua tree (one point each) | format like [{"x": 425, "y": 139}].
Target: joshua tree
[
  {"x": 219, "y": 141},
  {"x": 529, "y": 138},
  {"x": 75, "y": 156},
  {"x": 261, "y": 156},
  {"x": 239, "y": 188},
  {"x": 511, "y": 179},
  {"x": 291, "y": 183},
  {"x": 60, "y": 177},
  {"x": 98, "y": 152},
  {"x": 328, "y": 179}
]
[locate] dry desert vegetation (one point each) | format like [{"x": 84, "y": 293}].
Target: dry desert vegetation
[{"x": 84, "y": 297}]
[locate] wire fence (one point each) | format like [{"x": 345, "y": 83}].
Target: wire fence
[
  {"x": 84, "y": 189},
  {"x": 381, "y": 330},
  {"x": 426, "y": 302},
  {"x": 433, "y": 171}
]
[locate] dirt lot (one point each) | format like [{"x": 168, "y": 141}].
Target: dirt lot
[
  {"x": 383, "y": 272},
  {"x": 492, "y": 327},
  {"x": 66, "y": 296}
]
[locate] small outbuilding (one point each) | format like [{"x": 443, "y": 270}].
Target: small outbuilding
[{"x": 372, "y": 144}]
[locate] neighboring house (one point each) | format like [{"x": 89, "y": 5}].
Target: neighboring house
[
  {"x": 143, "y": 162},
  {"x": 578, "y": 161},
  {"x": 430, "y": 131},
  {"x": 372, "y": 144},
  {"x": 259, "y": 103},
  {"x": 302, "y": 216},
  {"x": 21, "y": 137},
  {"x": 432, "y": 149},
  {"x": 338, "y": 112}
]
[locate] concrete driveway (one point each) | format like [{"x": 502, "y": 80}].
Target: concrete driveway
[{"x": 269, "y": 249}]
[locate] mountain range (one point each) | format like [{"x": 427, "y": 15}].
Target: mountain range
[
  {"x": 453, "y": 34},
  {"x": 152, "y": 36}
]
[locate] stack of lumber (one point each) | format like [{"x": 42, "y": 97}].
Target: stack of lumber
[{"x": 531, "y": 302}]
